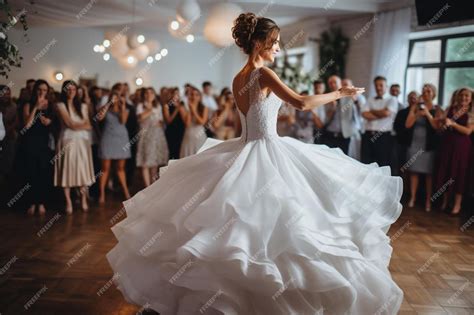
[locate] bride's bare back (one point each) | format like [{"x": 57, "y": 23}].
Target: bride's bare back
[{"x": 241, "y": 87}]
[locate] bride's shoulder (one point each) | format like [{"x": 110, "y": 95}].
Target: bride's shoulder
[
  {"x": 267, "y": 73},
  {"x": 267, "y": 77}
]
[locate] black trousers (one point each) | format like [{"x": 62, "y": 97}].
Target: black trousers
[
  {"x": 377, "y": 147},
  {"x": 39, "y": 177},
  {"x": 336, "y": 140}
]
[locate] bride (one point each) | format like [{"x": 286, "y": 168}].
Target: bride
[{"x": 261, "y": 224}]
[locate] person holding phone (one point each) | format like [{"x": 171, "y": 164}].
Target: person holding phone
[
  {"x": 174, "y": 115},
  {"x": 421, "y": 138},
  {"x": 114, "y": 144}
]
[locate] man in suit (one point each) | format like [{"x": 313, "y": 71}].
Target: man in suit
[{"x": 340, "y": 123}]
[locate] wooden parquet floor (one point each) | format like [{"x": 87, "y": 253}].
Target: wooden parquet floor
[{"x": 57, "y": 264}]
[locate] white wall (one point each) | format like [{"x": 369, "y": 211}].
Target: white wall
[
  {"x": 70, "y": 51},
  {"x": 359, "y": 57},
  {"x": 361, "y": 49}
]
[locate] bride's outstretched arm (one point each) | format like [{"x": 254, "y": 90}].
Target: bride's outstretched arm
[{"x": 269, "y": 79}]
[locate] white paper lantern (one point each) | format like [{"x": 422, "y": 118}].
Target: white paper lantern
[
  {"x": 118, "y": 47},
  {"x": 110, "y": 35},
  {"x": 125, "y": 63},
  {"x": 218, "y": 27},
  {"x": 132, "y": 41},
  {"x": 153, "y": 46},
  {"x": 188, "y": 10},
  {"x": 141, "y": 52}
]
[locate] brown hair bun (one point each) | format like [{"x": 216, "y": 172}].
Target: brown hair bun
[{"x": 249, "y": 28}]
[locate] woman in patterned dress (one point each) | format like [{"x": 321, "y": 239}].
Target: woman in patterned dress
[{"x": 152, "y": 150}]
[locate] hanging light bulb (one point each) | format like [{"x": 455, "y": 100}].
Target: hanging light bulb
[
  {"x": 174, "y": 25},
  {"x": 130, "y": 59},
  {"x": 190, "y": 38},
  {"x": 139, "y": 81},
  {"x": 106, "y": 43},
  {"x": 149, "y": 59},
  {"x": 164, "y": 52},
  {"x": 58, "y": 76},
  {"x": 141, "y": 39},
  {"x": 106, "y": 56}
]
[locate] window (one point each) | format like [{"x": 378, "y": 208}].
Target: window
[
  {"x": 445, "y": 61},
  {"x": 426, "y": 52}
]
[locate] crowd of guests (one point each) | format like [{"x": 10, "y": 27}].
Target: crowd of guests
[
  {"x": 419, "y": 139},
  {"x": 90, "y": 140}
]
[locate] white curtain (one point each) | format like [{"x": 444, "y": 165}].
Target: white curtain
[{"x": 391, "y": 39}]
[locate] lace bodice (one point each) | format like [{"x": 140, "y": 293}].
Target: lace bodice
[{"x": 261, "y": 118}]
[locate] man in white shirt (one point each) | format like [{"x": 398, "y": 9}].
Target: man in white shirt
[
  {"x": 207, "y": 98},
  {"x": 356, "y": 139},
  {"x": 379, "y": 113},
  {"x": 209, "y": 101},
  {"x": 340, "y": 119},
  {"x": 395, "y": 92}
]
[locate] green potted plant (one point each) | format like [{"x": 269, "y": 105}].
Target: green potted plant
[
  {"x": 333, "y": 48},
  {"x": 9, "y": 53}
]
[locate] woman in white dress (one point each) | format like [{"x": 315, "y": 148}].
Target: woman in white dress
[
  {"x": 262, "y": 224},
  {"x": 73, "y": 165},
  {"x": 197, "y": 116},
  {"x": 152, "y": 150}
]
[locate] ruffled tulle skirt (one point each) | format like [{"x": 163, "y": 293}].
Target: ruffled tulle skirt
[{"x": 272, "y": 226}]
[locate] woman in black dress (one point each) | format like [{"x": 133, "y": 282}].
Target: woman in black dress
[
  {"x": 37, "y": 155},
  {"x": 174, "y": 114}
]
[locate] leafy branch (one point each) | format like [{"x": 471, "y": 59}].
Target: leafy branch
[{"x": 9, "y": 52}]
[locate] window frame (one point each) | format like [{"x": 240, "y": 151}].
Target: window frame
[{"x": 442, "y": 65}]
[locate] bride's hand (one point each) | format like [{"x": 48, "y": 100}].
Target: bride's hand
[{"x": 351, "y": 91}]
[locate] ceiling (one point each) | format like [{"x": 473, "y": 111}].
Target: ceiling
[{"x": 156, "y": 14}]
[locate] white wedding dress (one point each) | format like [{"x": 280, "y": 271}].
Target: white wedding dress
[{"x": 261, "y": 224}]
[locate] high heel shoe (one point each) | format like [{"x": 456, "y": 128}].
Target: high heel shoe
[
  {"x": 41, "y": 210},
  {"x": 444, "y": 206},
  {"x": 455, "y": 212},
  {"x": 31, "y": 210},
  {"x": 428, "y": 205},
  {"x": 101, "y": 200},
  {"x": 69, "y": 209},
  {"x": 85, "y": 206}
]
